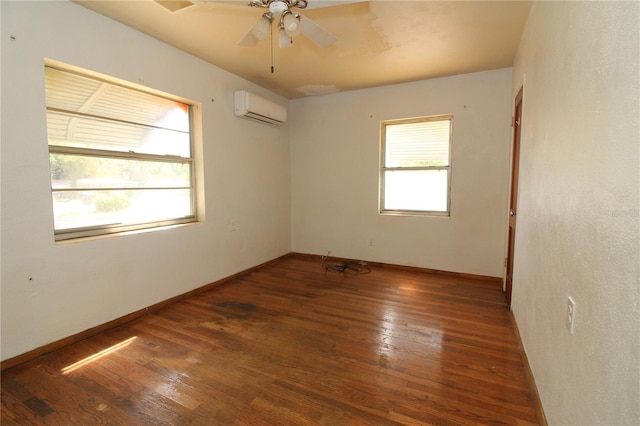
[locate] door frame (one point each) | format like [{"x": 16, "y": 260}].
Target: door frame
[{"x": 513, "y": 194}]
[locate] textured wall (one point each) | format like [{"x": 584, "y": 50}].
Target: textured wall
[
  {"x": 578, "y": 218},
  {"x": 335, "y": 162},
  {"x": 52, "y": 291}
]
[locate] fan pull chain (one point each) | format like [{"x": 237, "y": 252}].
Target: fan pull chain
[{"x": 271, "y": 34}]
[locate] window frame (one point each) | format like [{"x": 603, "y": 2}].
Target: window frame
[
  {"x": 113, "y": 229},
  {"x": 383, "y": 167}
]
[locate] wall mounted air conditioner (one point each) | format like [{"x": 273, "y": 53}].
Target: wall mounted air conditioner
[{"x": 253, "y": 107}]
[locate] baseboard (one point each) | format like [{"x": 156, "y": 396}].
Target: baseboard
[
  {"x": 59, "y": 344},
  {"x": 542, "y": 419},
  {"x": 66, "y": 341},
  {"x": 485, "y": 278}
]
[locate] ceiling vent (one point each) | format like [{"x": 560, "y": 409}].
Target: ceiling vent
[{"x": 253, "y": 107}]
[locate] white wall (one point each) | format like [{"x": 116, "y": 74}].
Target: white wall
[
  {"x": 578, "y": 217},
  {"x": 335, "y": 172},
  {"x": 52, "y": 291}
]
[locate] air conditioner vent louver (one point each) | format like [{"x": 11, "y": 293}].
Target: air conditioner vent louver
[{"x": 253, "y": 107}]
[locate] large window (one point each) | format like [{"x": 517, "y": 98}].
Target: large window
[
  {"x": 415, "y": 171},
  {"x": 121, "y": 158}
]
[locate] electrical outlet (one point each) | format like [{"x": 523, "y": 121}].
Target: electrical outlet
[
  {"x": 232, "y": 226},
  {"x": 372, "y": 241},
  {"x": 571, "y": 314}
]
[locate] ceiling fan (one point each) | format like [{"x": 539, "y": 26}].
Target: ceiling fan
[{"x": 290, "y": 22}]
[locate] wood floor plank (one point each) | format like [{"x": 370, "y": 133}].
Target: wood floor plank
[
  {"x": 15, "y": 411},
  {"x": 293, "y": 344}
]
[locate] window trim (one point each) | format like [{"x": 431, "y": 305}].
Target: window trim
[
  {"x": 98, "y": 231},
  {"x": 383, "y": 168}
]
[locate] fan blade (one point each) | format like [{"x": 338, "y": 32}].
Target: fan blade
[
  {"x": 316, "y": 33},
  {"x": 311, "y": 4},
  {"x": 233, "y": 2},
  {"x": 248, "y": 39},
  {"x": 258, "y": 32},
  {"x": 175, "y": 5},
  {"x": 315, "y": 4}
]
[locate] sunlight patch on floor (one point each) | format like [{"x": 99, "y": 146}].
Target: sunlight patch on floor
[{"x": 72, "y": 367}]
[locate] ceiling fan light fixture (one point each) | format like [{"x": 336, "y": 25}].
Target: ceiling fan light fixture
[
  {"x": 284, "y": 40},
  {"x": 277, "y": 8},
  {"x": 291, "y": 24},
  {"x": 262, "y": 28}
]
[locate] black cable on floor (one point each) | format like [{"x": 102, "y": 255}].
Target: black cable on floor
[{"x": 343, "y": 267}]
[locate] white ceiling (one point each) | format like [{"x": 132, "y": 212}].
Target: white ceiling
[{"x": 379, "y": 42}]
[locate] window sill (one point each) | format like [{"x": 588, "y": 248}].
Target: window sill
[
  {"x": 124, "y": 233},
  {"x": 414, "y": 213}
]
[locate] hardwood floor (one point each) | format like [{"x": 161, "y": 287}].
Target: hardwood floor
[{"x": 291, "y": 344}]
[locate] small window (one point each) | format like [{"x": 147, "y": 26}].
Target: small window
[
  {"x": 415, "y": 172},
  {"x": 121, "y": 159}
]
